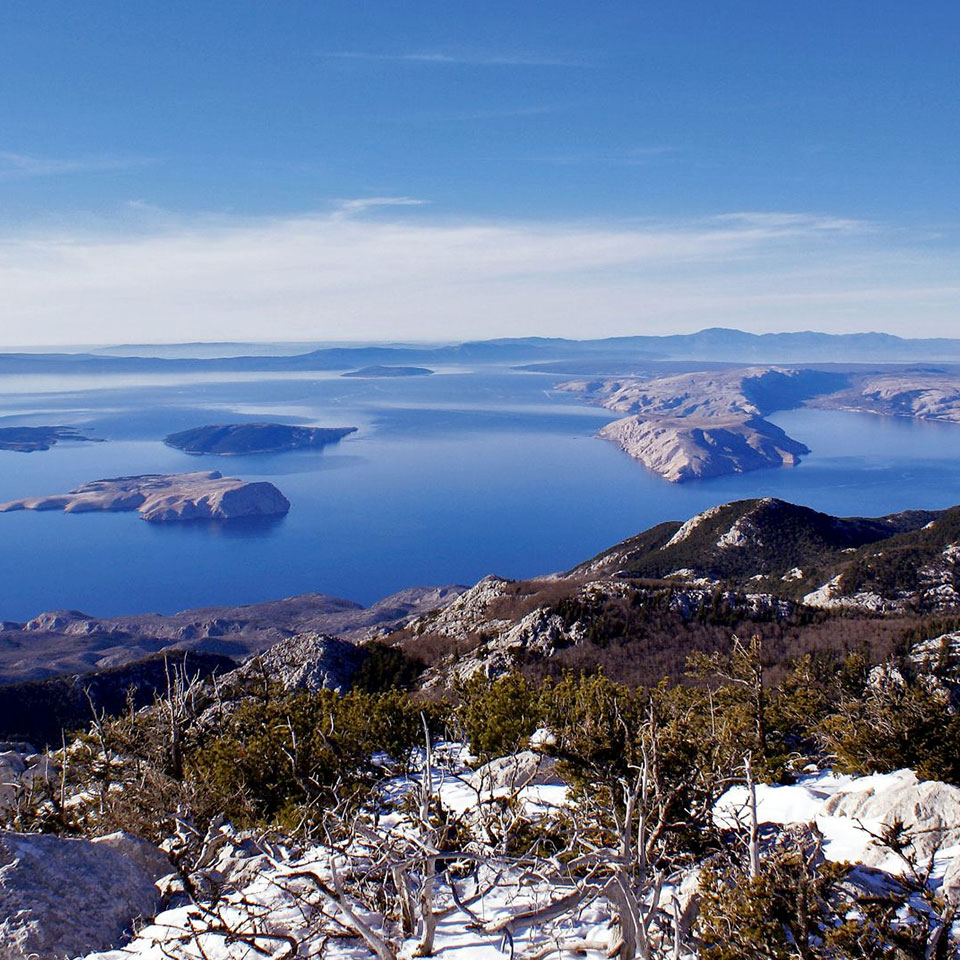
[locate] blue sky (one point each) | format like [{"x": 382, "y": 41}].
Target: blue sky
[{"x": 185, "y": 170}]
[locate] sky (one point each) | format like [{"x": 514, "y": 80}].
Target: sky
[{"x": 418, "y": 170}]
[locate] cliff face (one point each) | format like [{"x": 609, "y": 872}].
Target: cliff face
[
  {"x": 163, "y": 498},
  {"x": 682, "y": 449}
]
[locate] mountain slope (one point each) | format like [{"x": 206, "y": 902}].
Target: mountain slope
[{"x": 749, "y": 539}]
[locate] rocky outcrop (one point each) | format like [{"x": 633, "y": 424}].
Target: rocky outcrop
[
  {"x": 469, "y": 613},
  {"x": 162, "y": 498},
  {"x": 234, "y": 439},
  {"x": 61, "y": 898},
  {"x": 307, "y": 662},
  {"x": 23, "y": 772},
  {"x": 682, "y": 449}
]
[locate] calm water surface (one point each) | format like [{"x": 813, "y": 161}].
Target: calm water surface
[{"x": 449, "y": 478}]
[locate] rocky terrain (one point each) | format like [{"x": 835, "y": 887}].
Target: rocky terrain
[
  {"x": 168, "y": 498},
  {"x": 383, "y": 370},
  {"x": 349, "y": 792},
  {"x": 231, "y": 439},
  {"x": 642, "y": 606},
  {"x": 32, "y": 439},
  {"x": 924, "y": 394}
]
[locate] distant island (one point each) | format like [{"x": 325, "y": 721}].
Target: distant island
[
  {"x": 387, "y": 371},
  {"x": 234, "y": 439},
  {"x": 32, "y": 439},
  {"x": 162, "y": 498}
]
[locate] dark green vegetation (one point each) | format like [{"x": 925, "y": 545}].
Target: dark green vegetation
[
  {"x": 41, "y": 711},
  {"x": 32, "y": 439},
  {"x": 248, "y": 438}
]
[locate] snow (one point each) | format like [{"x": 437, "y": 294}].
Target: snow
[{"x": 270, "y": 901}]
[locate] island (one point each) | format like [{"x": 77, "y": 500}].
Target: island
[
  {"x": 236, "y": 439},
  {"x": 31, "y": 439},
  {"x": 382, "y": 371},
  {"x": 707, "y": 424},
  {"x": 160, "y": 498},
  {"x": 686, "y": 449}
]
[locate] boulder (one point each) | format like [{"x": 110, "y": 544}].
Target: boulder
[
  {"x": 64, "y": 897},
  {"x": 518, "y": 770},
  {"x": 928, "y": 809}
]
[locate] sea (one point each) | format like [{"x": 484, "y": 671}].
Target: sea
[{"x": 450, "y": 477}]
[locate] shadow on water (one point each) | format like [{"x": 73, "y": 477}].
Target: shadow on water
[{"x": 239, "y": 528}]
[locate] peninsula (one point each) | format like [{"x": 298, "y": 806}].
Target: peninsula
[
  {"x": 31, "y": 439},
  {"x": 236, "y": 439},
  {"x": 165, "y": 498}
]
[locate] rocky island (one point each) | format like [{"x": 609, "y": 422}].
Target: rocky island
[
  {"x": 383, "y": 371},
  {"x": 32, "y": 439},
  {"x": 164, "y": 498},
  {"x": 706, "y": 424},
  {"x": 684, "y": 449},
  {"x": 236, "y": 439}
]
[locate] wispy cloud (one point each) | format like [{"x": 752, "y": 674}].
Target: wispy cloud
[
  {"x": 351, "y": 208},
  {"x": 345, "y": 275},
  {"x": 14, "y": 165},
  {"x": 458, "y": 59}
]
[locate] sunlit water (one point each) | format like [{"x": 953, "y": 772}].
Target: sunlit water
[{"x": 449, "y": 478}]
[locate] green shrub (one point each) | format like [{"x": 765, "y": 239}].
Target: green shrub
[
  {"x": 497, "y": 716},
  {"x": 894, "y": 726},
  {"x": 283, "y": 758}
]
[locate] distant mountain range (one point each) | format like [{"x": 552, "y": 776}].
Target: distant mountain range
[{"x": 715, "y": 344}]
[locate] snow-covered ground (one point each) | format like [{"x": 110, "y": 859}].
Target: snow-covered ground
[{"x": 276, "y": 910}]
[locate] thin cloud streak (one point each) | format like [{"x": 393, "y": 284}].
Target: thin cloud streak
[
  {"x": 14, "y": 165},
  {"x": 344, "y": 275}
]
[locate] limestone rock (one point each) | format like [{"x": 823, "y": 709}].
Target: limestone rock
[{"x": 61, "y": 898}]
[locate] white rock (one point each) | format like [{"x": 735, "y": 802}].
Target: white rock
[
  {"x": 518, "y": 770},
  {"x": 929, "y": 809},
  {"x": 60, "y": 898}
]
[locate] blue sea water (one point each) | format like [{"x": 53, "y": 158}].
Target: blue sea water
[{"x": 449, "y": 478}]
